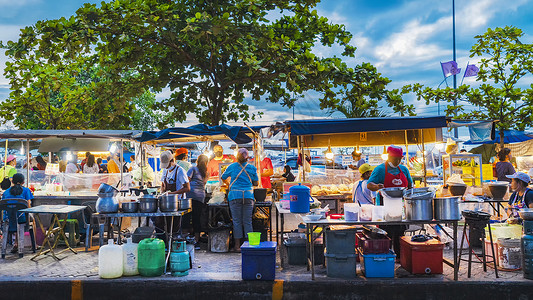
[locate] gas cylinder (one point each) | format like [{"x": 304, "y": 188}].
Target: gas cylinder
[
  {"x": 179, "y": 259},
  {"x": 110, "y": 260},
  {"x": 527, "y": 250},
  {"x": 151, "y": 253},
  {"x": 130, "y": 258}
]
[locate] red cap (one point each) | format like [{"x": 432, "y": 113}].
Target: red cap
[
  {"x": 395, "y": 151},
  {"x": 181, "y": 151}
]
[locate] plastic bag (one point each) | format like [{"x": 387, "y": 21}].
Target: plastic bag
[{"x": 217, "y": 197}]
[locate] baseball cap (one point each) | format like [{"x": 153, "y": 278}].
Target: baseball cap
[
  {"x": 395, "y": 151},
  {"x": 181, "y": 151},
  {"x": 365, "y": 168},
  {"x": 166, "y": 157},
  {"x": 520, "y": 175},
  {"x": 10, "y": 157}
]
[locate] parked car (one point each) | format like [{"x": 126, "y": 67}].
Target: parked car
[{"x": 315, "y": 161}]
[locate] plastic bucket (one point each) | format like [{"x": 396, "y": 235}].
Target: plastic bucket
[
  {"x": 351, "y": 212},
  {"x": 366, "y": 212},
  {"x": 254, "y": 238}
]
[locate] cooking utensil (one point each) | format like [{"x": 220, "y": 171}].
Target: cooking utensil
[
  {"x": 498, "y": 189},
  {"x": 130, "y": 207},
  {"x": 185, "y": 203},
  {"x": 457, "y": 189},
  {"x": 168, "y": 202},
  {"x": 260, "y": 194},
  {"x": 106, "y": 188},
  {"x": 446, "y": 208},
  {"x": 526, "y": 214},
  {"x": 419, "y": 209},
  {"x": 395, "y": 192},
  {"x": 148, "y": 205},
  {"x": 106, "y": 205}
]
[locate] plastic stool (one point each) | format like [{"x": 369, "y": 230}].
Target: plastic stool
[
  {"x": 72, "y": 230},
  {"x": 473, "y": 222}
]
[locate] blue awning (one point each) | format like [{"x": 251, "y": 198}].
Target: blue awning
[
  {"x": 198, "y": 132},
  {"x": 509, "y": 137},
  {"x": 331, "y": 126}
]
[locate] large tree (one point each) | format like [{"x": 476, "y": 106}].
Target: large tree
[
  {"x": 210, "y": 54},
  {"x": 506, "y": 65}
]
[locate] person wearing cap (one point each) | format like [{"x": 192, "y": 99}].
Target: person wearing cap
[
  {"x": 220, "y": 157},
  {"x": 181, "y": 158},
  {"x": 522, "y": 196},
  {"x": 357, "y": 161},
  {"x": 391, "y": 174},
  {"x": 9, "y": 169},
  {"x": 241, "y": 177},
  {"x": 361, "y": 194}
]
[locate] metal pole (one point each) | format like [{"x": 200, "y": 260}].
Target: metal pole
[
  {"x": 456, "y": 130},
  {"x": 142, "y": 165},
  {"x": 121, "y": 160},
  {"x": 27, "y": 162},
  {"x": 424, "y": 157},
  {"x": 406, "y": 150}
]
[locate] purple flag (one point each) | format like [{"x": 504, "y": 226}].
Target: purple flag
[
  {"x": 450, "y": 68},
  {"x": 471, "y": 70}
]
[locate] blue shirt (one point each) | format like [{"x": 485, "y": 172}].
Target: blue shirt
[
  {"x": 20, "y": 217},
  {"x": 197, "y": 182},
  {"x": 241, "y": 186},
  {"x": 378, "y": 174}
]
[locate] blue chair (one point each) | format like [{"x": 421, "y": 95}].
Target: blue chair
[{"x": 11, "y": 207}]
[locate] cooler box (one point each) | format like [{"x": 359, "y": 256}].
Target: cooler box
[
  {"x": 296, "y": 251},
  {"x": 341, "y": 265},
  {"x": 371, "y": 245},
  {"x": 340, "y": 241},
  {"x": 377, "y": 265},
  {"x": 421, "y": 257},
  {"x": 259, "y": 262}
]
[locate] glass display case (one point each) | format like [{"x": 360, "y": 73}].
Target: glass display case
[{"x": 469, "y": 166}]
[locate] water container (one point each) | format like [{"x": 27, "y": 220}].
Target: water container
[
  {"x": 351, "y": 211},
  {"x": 366, "y": 212},
  {"x": 378, "y": 213},
  {"x": 179, "y": 259},
  {"x": 110, "y": 260},
  {"x": 393, "y": 207},
  {"x": 300, "y": 197},
  {"x": 130, "y": 258},
  {"x": 151, "y": 257}
]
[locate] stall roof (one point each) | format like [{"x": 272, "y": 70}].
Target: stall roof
[
  {"x": 509, "y": 137},
  {"x": 70, "y": 134},
  {"x": 332, "y": 126},
  {"x": 198, "y": 133}
]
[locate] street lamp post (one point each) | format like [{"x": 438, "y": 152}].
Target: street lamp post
[{"x": 456, "y": 131}]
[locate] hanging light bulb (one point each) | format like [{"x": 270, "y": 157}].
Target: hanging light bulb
[
  {"x": 22, "y": 149},
  {"x": 357, "y": 150},
  {"x": 329, "y": 153},
  {"x": 385, "y": 155},
  {"x": 113, "y": 148}
]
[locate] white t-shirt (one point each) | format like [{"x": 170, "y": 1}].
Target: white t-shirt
[
  {"x": 362, "y": 194},
  {"x": 179, "y": 176},
  {"x": 71, "y": 168},
  {"x": 91, "y": 170}
]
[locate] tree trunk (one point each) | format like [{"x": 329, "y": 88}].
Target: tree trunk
[{"x": 501, "y": 139}]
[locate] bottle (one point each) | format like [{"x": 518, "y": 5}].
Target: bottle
[
  {"x": 110, "y": 263},
  {"x": 130, "y": 258}
]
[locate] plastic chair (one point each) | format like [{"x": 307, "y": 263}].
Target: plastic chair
[
  {"x": 11, "y": 207},
  {"x": 88, "y": 219}
]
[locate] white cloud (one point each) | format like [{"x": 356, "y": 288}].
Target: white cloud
[{"x": 17, "y": 3}]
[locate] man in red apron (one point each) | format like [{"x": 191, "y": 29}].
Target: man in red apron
[{"x": 391, "y": 174}]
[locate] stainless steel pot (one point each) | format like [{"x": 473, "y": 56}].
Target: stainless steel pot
[
  {"x": 106, "y": 188},
  {"x": 447, "y": 208},
  {"x": 130, "y": 207},
  {"x": 185, "y": 203},
  {"x": 168, "y": 203},
  {"x": 148, "y": 205},
  {"x": 106, "y": 205},
  {"x": 419, "y": 209}
]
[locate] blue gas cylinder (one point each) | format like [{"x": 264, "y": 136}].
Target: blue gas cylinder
[
  {"x": 300, "y": 196},
  {"x": 527, "y": 250},
  {"x": 179, "y": 259}
]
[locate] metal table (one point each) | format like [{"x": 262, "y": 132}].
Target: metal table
[
  {"x": 495, "y": 204},
  {"x": 312, "y": 225},
  {"x": 264, "y": 206},
  {"x": 56, "y": 227}
]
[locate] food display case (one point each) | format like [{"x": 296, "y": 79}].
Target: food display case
[{"x": 469, "y": 166}]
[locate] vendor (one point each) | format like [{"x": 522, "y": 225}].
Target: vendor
[
  {"x": 113, "y": 164},
  {"x": 267, "y": 170},
  {"x": 220, "y": 157},
  {"x": 181, "y": 158},
  {"x": 9, "y": 169},
  {"x": 522, "y": 196},
  {"x": 387, "y": 175},
  {"x": 357, "y": 161},
  {"x": 504, "y": 166},
  {"x": 288, "y": 174},
  {"x": 361, "y": 194}
]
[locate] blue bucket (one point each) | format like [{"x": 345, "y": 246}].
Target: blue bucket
[{"x": 300, "y": 198}]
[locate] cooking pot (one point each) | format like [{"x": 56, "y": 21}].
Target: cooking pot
[
  {"x": 395, "y": 192},
  {"x": 105, "y": 205},
  {"x": 447, "y": 208},
  {"x": 260, "y": 194},
  {"x": 419, "y": 209},
  {"x": 185, "y": 203},
  {"x": 148, "y": 204},
  {"x": 106, "y": 188},
  {"x": 526, "y": 213},
  {"x": 168, "y": 203},
  {"x": 130, "y": 207}
]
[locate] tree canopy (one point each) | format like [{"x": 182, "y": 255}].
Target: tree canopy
[
  {"x": 505, "y": 63},
  {"x": 211, "y": 55}
]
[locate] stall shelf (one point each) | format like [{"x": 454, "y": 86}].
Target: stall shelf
[{"x": 469, "y": 166}]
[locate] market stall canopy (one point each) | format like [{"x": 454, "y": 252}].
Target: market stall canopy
[
  {"x": 197, "y": 133},
  {"x": 319, "y": 133},
  {"x": 509, "y": 137},
  {"x": 70, "y": 134},
  {"x": 53, "y": 144}
]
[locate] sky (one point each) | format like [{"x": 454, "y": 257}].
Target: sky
[{"x": 405, "y": 40}]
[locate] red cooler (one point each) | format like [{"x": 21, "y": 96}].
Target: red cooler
[{"x": 421, "y": 257}]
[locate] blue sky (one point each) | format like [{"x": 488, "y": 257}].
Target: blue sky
[{"x": 406, "y": 40}]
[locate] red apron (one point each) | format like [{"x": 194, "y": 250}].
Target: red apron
[{"x": 399, "y": 180}]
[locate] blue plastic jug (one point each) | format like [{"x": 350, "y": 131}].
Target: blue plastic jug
[{"x": 300, "y": 196}]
